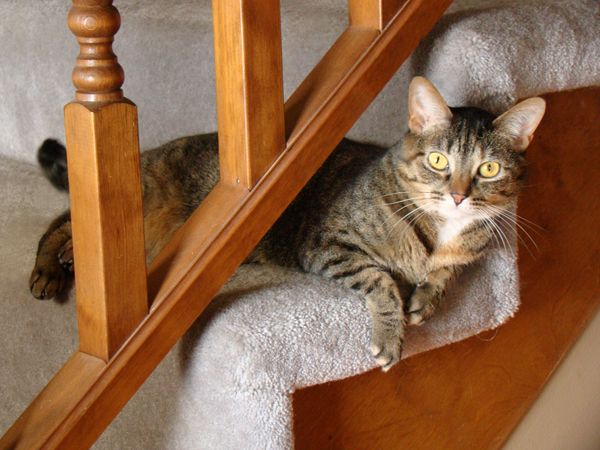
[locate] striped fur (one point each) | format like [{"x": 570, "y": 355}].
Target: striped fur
[{"x": 380, "y": 221}]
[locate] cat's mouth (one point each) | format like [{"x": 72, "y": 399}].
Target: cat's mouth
[{"x": 449, "y": 210}]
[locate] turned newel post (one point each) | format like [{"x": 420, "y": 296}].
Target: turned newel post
[
  {"x": 97, "y": 75},
  {"x": 104, "y": 181}
]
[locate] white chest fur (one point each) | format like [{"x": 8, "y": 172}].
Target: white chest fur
[{"x": 451, "y": 228}]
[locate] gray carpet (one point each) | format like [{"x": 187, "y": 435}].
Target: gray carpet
[{"x": 227, "y": 384}]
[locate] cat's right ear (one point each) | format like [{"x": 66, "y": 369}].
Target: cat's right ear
[{"x": 427, "y": 110}]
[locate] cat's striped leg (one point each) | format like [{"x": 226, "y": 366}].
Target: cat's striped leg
[
  {"x": 383, "y": 301},
  {"x": 385, "y": 305}
]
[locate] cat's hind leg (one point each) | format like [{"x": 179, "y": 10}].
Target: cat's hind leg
[{"x": 53, "y": 268}]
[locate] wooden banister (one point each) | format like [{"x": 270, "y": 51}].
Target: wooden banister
[
  {"x": 375, "y": 14},
  {"x": 209, "y": 247},
  {"x": 105, "y": 189}
]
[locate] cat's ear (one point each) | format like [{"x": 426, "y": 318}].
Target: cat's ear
[
  {"x": 427, "y": 109},
  {"x": 520, "y": 121}
]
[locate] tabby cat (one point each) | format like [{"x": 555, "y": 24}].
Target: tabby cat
[{"x": 393, "y": 224}]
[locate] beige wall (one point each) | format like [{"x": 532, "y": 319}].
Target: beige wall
[{"x": 567, "y": 414}]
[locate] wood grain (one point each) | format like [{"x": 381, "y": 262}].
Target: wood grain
[
  {"x": 472, "y": 394},
  {"x": 389, "y": 8},
  {"x": 105, "y": 187},
  {"x": 336, "y": 75},
  {"x": 107, "y": 224},
  {"x": 185, "y": 285},
  {"x": 97, "y": 76},
  {"x": 77, "y": 375},
  {"x": 305, "y": 104},
  {"x": 249, "y": 81},
  {"x": 374, "y": 14}
]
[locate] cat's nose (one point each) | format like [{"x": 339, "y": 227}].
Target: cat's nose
[{"x": 458, "y": 198}]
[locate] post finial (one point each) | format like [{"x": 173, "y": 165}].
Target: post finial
[{"x": 97, "y": 75}]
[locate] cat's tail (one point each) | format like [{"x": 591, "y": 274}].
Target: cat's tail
[{"x": 52, "y": 156}]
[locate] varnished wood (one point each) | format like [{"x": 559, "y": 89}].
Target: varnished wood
[
  {"x": 97, "y": 76},
  {"x": 472, "y": 394},
  {"x": 105, "y": 190},
  {"x": 249, "y": 81},
  {"x": 107, "y": 224},
  {"x": 44, "y": 413},
  {"x": 185, "y": 284},
  {"x": 365, "y": 13},
  {"x": 320, "y": 84},
  {"x": 191, "y": 242},
  {"x": 389, "y": 8},
  {"x": 335, "y": 76},
  {"x": 374, "y": 14}
]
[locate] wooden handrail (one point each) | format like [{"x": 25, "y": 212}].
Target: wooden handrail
[
  {"x": 375, "y": 14},
  {"x": 229, "y": 223}
]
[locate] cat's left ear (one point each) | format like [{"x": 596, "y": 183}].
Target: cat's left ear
[{"x": 520, "y": 121}]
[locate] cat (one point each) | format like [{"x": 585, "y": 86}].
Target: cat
[{"x": 395, "y": 225}]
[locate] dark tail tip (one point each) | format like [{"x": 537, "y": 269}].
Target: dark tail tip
[{"x": 52, "y": 157}]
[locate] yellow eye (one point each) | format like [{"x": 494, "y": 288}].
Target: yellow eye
[
  {"x": 437, "y": 161},
  {"x": 489, "y": 169}
]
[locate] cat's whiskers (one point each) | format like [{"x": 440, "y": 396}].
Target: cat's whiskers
[
  {"x": 394, "y": 213},
  {"x": 418, "y": 209},
  {"x": 515, "y": 220},
  {"x": 508, "y": 248},
  {"x": 406, "y": 192},
  {"x": 425, "y": 210},
  {"x": 512, "y": 222},
  {"x": 484, "y": 221},
  {"x": 501, "y": 234},
  {"x": 415, "y": 219},
  {"x": 507, "y": 225},
  {"x": 503, "y": 221},
  {"x": 408, "y": 200},
  {"x": 412, "y": 203},
  {"x": 534, "y": 227}
]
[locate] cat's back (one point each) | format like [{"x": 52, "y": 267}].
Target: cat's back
[
  {"x": 183, "y": 170},
  {"x": 328, "y": 197}
]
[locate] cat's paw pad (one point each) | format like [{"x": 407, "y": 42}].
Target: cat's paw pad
[
  {"x": 386, "y": 351},
  {"x": 420, "y": 316},
  {"x": 421, "y": 307},
  {"x": 46, "y": 282},
  {"x": 65, "y": 256}
]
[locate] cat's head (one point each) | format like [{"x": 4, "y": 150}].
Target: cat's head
[{"x": 465, "y": 163}]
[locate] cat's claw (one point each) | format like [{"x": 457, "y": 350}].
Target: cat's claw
[
  {"x": 421, "y": 307},
  {"x": 386, "y": 354},
  {"x": 45, "y": 284},
  {"x": 416, "y": 318},
  {"x": 65, "y": 256}
]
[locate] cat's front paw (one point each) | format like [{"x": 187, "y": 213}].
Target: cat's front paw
[
  {"x": 65, "y": 256},
  {"x": 423, "y": 303},
  {"x": 386, "y": 347},
  {"x": 47, "y": 280}
]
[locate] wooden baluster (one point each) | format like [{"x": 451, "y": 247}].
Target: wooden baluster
[
  {"x": 104, "y": 179},
  {"x": 373, "y": 13},
  {"x": 249, "y": 80}
]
